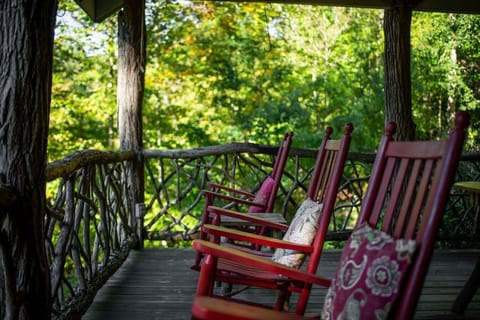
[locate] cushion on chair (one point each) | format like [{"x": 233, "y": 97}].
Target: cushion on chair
[
  {"x": 302, "y": 230},
  {"x": 369, "y": 275},
  {"x": 262, "y": 195}
]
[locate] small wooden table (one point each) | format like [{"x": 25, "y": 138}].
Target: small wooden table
[{"x": 473, "y": 283}]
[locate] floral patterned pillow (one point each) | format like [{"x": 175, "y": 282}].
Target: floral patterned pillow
[
  {"x": 302, "y": 230},
  {"x": 262, "y": 195},
  {"x": 370, "y": 273}
]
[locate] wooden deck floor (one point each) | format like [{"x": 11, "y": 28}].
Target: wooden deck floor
[{"x": 158, "y": 284}]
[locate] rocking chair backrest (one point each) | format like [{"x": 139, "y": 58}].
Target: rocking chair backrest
[
  {"x": 266, "y": 206},
  {"x": 278, "y": 168},
  {"x": 325, "y": 182},
  {"x": 324, "y": 188},
  {"x": 321, "y": 165},
  {"x": 407, "y": 194}
]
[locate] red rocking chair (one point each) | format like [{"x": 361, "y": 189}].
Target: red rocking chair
[
  {"x": 263, "y": 201},
  {"x": 305, "y": 235},
  {"x": 385, "y": 260}
]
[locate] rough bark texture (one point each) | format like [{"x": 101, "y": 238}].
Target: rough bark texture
[
  {"x": 64, "y": 167},
  {"x": 131, "y": 71},
  {"x": 398, "y": 91},
  {"x": 26, "y": 35},
  {"x": 131, "y": 81}
]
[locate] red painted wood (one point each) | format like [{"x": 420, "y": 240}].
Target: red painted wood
[
  {"x": 323, "y": 188},
  {"x": 217, "y": 189},
  {"x": 215, "y": 309},
  {"x": 412, "y": 175}
]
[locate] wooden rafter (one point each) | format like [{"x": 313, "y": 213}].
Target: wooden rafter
[
  {"x": 101, "y": 9},
  {"x": 458, "y": 6}
]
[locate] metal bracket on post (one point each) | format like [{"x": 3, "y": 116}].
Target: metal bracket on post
[{"x": 140, "y": 211}]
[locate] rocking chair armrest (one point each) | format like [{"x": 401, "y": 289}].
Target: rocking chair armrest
[
  {"x": 250, "y": 219},
  {"x": 215, "y": 308},
  {"x": 238, "y": 235},
  {"x": 232, "y": 198},
  {"x": 237, "y": 256},
  {"x": 216, "y": 186}
]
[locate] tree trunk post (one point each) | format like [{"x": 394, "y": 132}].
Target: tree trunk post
[
  {"x": 26, "y": 58},
  {"x": 131, "y": 81},
  {"x": 398, "y": 84}
]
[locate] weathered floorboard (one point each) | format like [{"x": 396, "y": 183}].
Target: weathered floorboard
[{"x": 158, "y": 284}]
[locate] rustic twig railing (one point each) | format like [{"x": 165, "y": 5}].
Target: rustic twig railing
[
  {"x": 90, "y": 221},
  {"x": 88, "y": 226},
  {"x": 174, "y": 179}
]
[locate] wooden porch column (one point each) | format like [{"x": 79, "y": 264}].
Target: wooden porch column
[
  {"x": 131, "y": 82},
  {"x": 26, "y": 57},
  {"x": 398, "y": 84}
]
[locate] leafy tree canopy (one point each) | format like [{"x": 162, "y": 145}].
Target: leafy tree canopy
[{"x": 220, "y": 72}]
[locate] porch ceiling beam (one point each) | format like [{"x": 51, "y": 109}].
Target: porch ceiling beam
[{"x": 452, "y": 6}]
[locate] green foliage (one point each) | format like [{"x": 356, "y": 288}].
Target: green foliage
[
  {"x": 221, "y": 71},
  {"x": 83, "y": 108},
  {"x": 445, "y": 76},
  {"x": 254, "y": 71},
  {"x": 341, "y": 52}
]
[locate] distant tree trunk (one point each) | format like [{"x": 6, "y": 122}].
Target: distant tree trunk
[
  {"x": 26, "y": 53},
  {"x": 398, "y": 85},
  {"x": 131, "y": 82}
]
